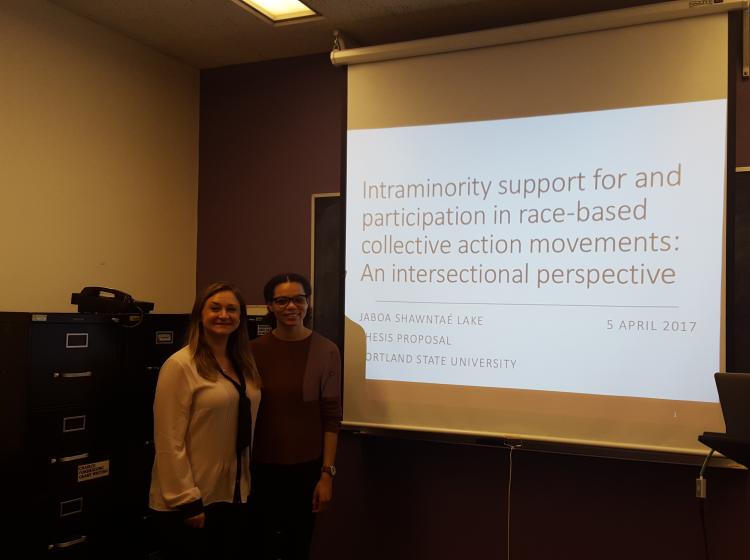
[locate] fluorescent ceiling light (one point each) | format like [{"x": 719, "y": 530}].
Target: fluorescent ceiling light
[{"x": 280, "y": 10}]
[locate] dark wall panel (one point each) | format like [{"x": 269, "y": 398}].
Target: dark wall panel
[
  {"x": 401, "y": 500},
  {"x": 742, "y": 93},
  {"x": 270, "y": 137},
  {"x": 738, "y": 300}
]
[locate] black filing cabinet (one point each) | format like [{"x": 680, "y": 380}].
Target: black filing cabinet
[
  {"x": 145, "y": 349},
  {"x": 63, "y": 369},
  {"x": 76, "y": 422}
]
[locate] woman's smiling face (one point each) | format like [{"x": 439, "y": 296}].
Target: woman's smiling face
[
  {"x": 289, "y": 304},
  {"x": 221, "y": 314}
]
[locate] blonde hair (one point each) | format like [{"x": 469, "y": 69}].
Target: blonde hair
[{"x": 238, "y": 345}]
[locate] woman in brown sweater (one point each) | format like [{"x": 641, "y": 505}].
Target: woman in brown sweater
[{"x": 294, "y": 449}]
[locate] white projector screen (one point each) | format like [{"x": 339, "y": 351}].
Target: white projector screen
[{"x": 535, "y": 238}]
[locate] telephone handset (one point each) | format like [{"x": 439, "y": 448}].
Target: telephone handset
[
  {"x": 116, "y": 295},
  {"x": 97, "y": 299}
]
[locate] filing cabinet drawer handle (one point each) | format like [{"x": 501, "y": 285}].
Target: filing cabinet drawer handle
[
  {"x": 68, "y": 544},
  {"x": 73, "y": 374},
  {"x": 70, "y": 458}
]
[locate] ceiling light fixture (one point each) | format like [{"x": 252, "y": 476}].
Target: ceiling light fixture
[{"x": 279, "y": 11}]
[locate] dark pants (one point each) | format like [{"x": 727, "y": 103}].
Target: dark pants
[
  {"x": 281, "y": 509},
  {"x": 222, "y": 537}
]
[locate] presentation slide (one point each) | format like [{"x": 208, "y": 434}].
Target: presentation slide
[{"x": 576, "y": 253}]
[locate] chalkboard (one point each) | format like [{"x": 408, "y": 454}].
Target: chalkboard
[{"x": 327, "y": 302}]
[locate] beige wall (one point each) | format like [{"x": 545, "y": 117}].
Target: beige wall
[{"x": 98, "y": 163}]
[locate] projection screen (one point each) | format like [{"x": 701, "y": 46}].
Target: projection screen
[{"x": 535, "y": 238}]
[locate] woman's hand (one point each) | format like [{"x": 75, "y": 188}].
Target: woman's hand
[
  {"x": 323, "y": 493},
  {"x": 197, "y": 521}
]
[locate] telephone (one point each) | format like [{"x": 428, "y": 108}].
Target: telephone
[{"x": 95, "y": 299}]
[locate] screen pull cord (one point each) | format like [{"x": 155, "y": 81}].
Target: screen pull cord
[
  {"x": 700, "y": 493},
  {"x": 510, "y": 445}
]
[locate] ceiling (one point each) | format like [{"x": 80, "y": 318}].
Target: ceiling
[{"x": 212, "y": 33}]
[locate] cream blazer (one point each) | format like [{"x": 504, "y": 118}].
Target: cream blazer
[{"x": 195, "y": 428}]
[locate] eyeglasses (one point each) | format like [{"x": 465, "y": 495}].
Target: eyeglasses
[{"x": 283, "y": 301}]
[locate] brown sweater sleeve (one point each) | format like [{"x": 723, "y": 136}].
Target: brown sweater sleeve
[{"x": 330, "y": 384}]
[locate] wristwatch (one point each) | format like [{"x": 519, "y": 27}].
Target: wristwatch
[{"x": 330, "y": 469}]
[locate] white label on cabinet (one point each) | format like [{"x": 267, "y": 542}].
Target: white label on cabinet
[{"x": 90, "y": 471}]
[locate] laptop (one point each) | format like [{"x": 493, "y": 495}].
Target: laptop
[{"x": 734, "y": 396}]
